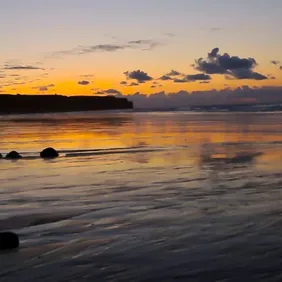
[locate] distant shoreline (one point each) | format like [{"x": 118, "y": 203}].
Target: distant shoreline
[{"x": 33, "y": 104}]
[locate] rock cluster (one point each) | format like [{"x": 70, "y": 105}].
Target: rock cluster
[{"x": 48, "y": 153}]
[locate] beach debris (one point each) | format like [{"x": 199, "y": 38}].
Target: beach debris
[
  {"x": 49, "y": 153},
  {"x": 8, "y": 241},
  {"x": 13, "y": 155}
]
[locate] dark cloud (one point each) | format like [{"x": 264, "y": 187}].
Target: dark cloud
[
  {"x": 213, "y": 53},
  {"x": 180, "y": 80},
  {"x": 111, "y": 91},
  {"x": 138, "y": 75},
  {"x": 106, "y": 91},
  {"x": 247, "y": 74},
  {"x": 83, "y": 82},
  {"x": 155, "y": 85},
  {"x": 21, "y": 67},
  {"x": 274, "y": 62},
  {"x": 99, "y": 93},
  {"x": 165, "y": 77},
  {"x": 123, "y": 82},
  {"x": 133, "y": 84},
  {"x": 232, "y": 66},
  {"x": 44, "y": 88},
  {"x": 173, "y": 73},
  {"x": 193, "y": 77}
]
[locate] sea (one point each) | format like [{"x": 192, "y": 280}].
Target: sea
[{"x": 143, "y": 196}]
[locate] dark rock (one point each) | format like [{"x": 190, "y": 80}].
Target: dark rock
[
  {"x": 49, "y": 153},
  {"x": 13, "y": 155},
  {"x": 8, "y": 241},
  {"x": 1, "y": 156}
]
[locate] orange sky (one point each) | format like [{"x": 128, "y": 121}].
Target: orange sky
[{"x": 135, "y": 36}]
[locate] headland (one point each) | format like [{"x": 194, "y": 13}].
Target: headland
[{"x": 26, "y": 104}]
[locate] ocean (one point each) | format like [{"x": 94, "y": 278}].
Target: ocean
[{"x": 143, "y": 196}]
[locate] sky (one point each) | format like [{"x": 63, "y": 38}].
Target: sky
[{"x": 127, "y": 46}]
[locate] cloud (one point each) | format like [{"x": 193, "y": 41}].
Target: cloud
[
  {"x": 99, "y": 92},
  {"x": 192, "y": 78},
  {"x": 123, "y": 82},
  {"x": 232, "y": 66},
  {"x": 111, "y": 91},
  {"x": 173, "y": 73},
  {"x": 165, "y": 77},
  {"x": 21, "y": 67},
  {"x": 133, "y": 84},
  {"x": 9, "y": 83},
  {"x": 243, "y": 94},
  {"x": 140, "y": 42},
  {"x": 138, "y": 75},
  {"x": 80, "y": 50},
  {"x": 156, "y": 85},
  {"x": 247, "y": 74},
  {"x": 43, "y": 88},
  {"x": 87, "y": 75},
  {"x": 83, "y": 82},
  {"x": 146, "y": 44},
  {"x": 274, "y": 62},
  {"x": 106, "y": 91}
]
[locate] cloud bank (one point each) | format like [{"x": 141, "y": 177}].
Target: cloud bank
[{"x": 182, "y": 99}]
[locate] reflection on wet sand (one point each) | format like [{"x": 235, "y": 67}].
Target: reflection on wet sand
[
  {"x": 219, "y": 137},
  {"x": 198, "y": 195},
  {"x": 210, "y": 153}
]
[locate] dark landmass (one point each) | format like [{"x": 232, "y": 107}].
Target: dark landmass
[
  {"x": 238, "y": 108},
  {"x": 24, "y": 104}
]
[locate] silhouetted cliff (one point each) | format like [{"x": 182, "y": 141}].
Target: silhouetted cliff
[{"x": 18, "y": 104}]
